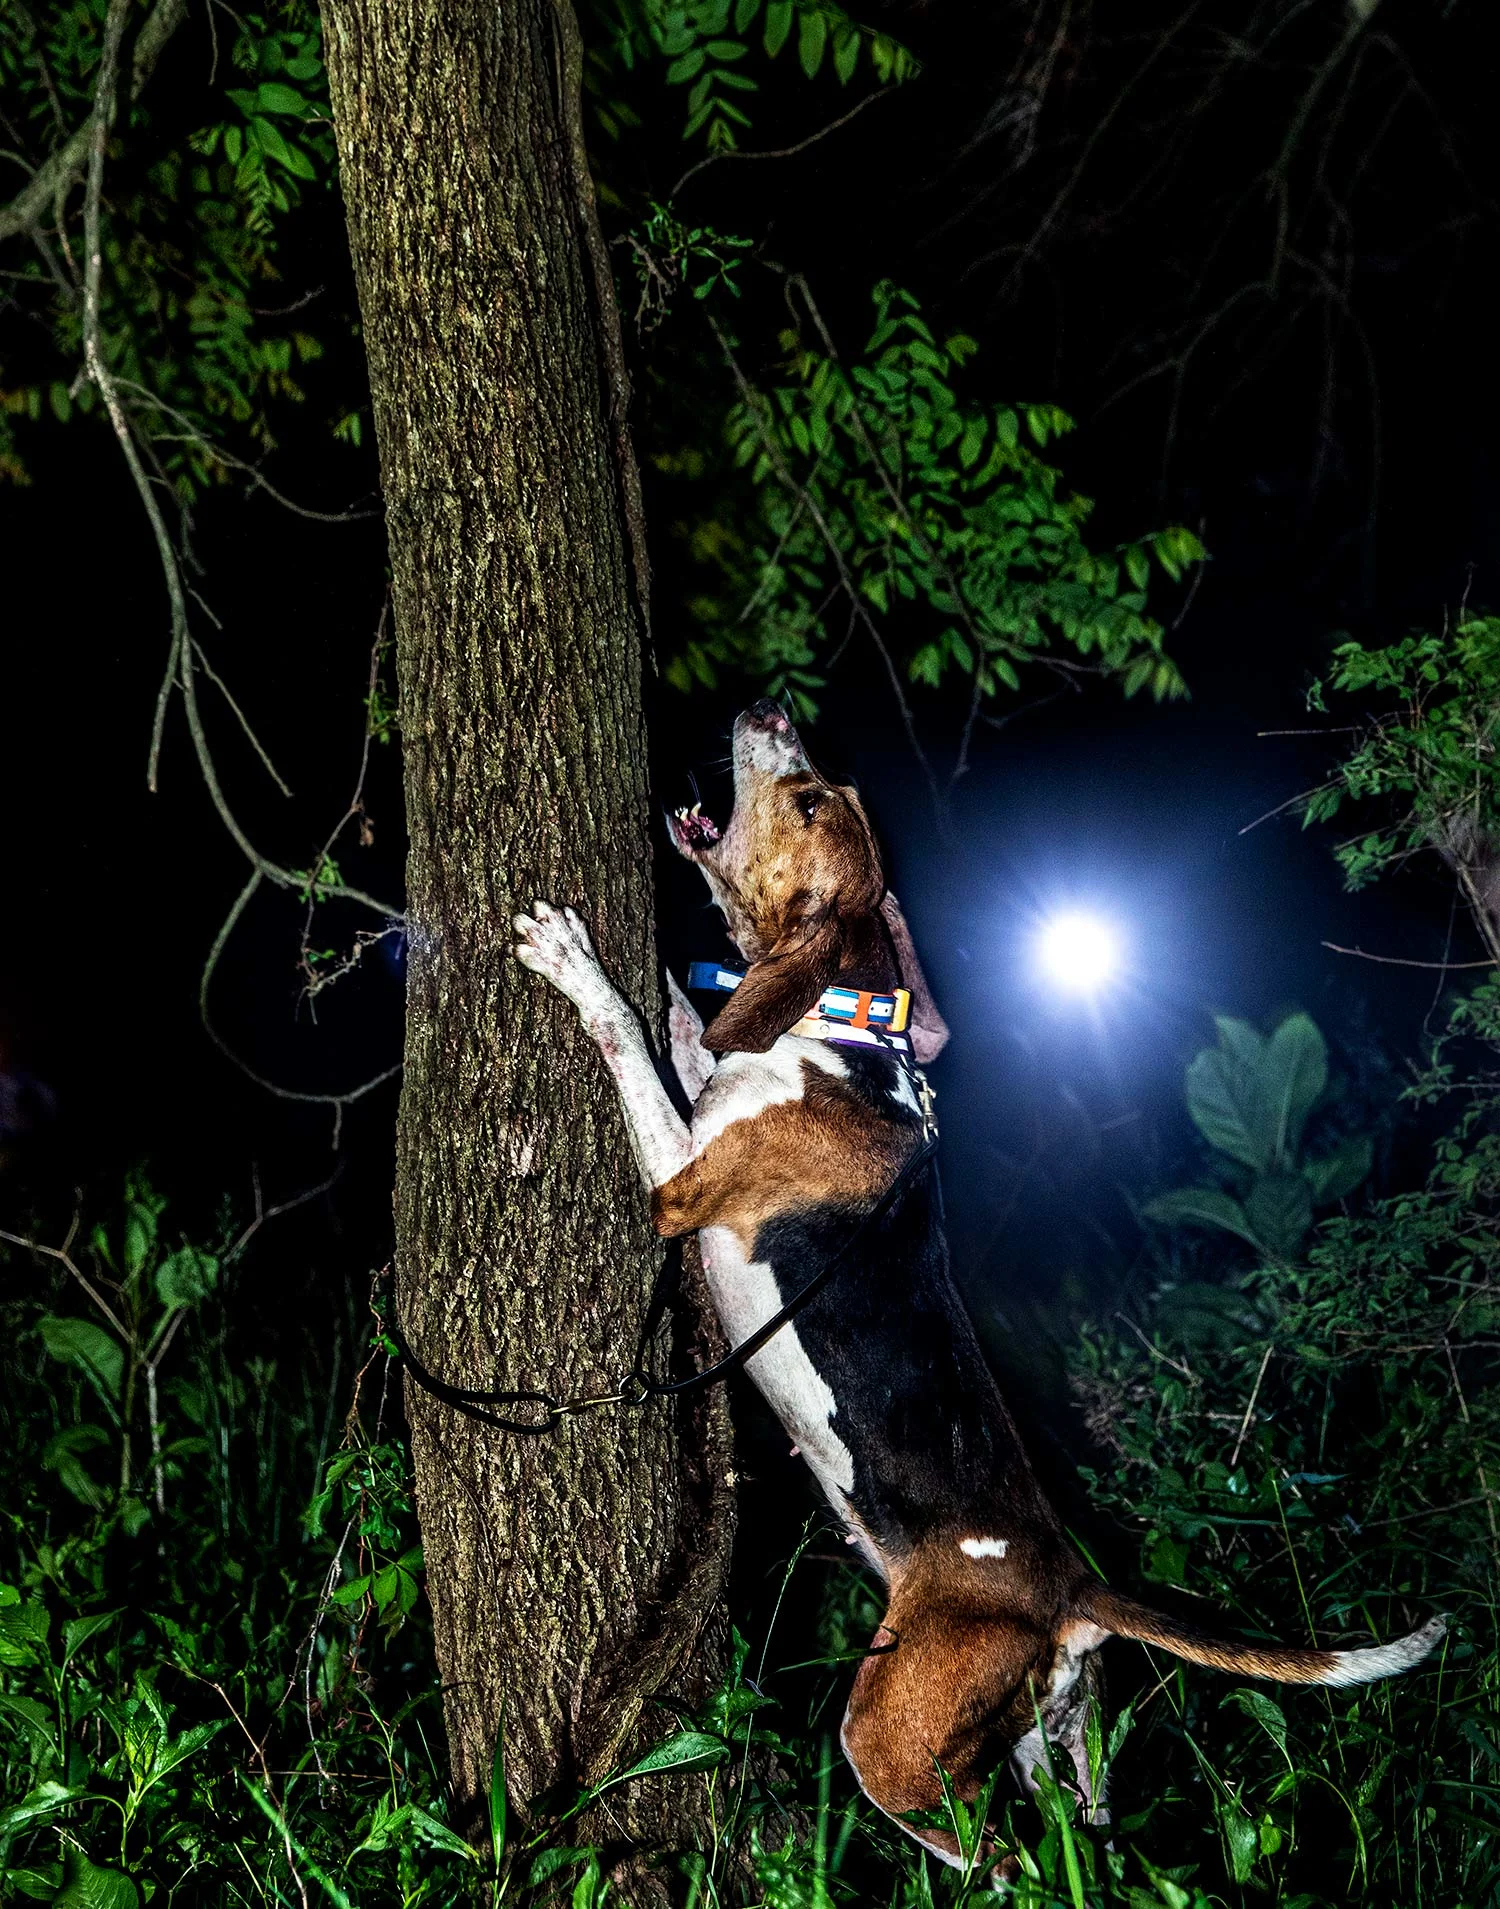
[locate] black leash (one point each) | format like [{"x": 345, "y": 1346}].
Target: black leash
[{"x": 637, "y": 1386}]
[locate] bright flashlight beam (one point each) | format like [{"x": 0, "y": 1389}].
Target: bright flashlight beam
[{"x": 1079, "y": 953}]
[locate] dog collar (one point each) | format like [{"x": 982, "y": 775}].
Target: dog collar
[{"x": 852, "y": 1016}]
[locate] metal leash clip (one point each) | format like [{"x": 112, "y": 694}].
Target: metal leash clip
[
  {"x": 927, "y": 1095},
  {"x": 569, "y": 1408}
]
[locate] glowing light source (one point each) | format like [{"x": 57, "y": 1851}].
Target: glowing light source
[{"x": 1078, "y": 952}]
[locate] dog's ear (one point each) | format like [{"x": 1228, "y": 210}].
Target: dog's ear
[
  {"x": 776, "y": 993},
  {"x": 927, "y": 1028}
]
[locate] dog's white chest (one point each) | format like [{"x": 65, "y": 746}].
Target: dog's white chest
[
  {"x": 745, "y": 1296},
  {"x": 744, "y": 1085},
  {"x": 745, "y": 1291}
]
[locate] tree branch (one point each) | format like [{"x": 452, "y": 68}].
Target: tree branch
[{"x": 51, "y": 181}]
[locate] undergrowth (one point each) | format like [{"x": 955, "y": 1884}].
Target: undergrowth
[
  {"x": 216, "y": 1677},
  {"x": 216, "y": 1673}
]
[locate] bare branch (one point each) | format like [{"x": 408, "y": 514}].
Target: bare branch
[
  {"x": 786, "y": 152},
  {"x": 244, "y": 722},
  {"x": 64, "y": 1257},
  {"x": 1398, "y": 961}
]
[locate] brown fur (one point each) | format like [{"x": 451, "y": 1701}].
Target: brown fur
[
  {"x": 973, "y": 1650},
  {"x": 822, "y": 1150}
]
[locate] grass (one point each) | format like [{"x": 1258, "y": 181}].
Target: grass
[{"x": 216, "y": 1681}]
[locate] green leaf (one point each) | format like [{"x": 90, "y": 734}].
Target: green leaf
[
  {"x": 688, "y": 1750},
  {"x": 1201, "y": 1206},
  {"x": 80, "y": 1343},
  {"x": 498, "y": 1801},
  {"x": 812, "y": 38},
  {"x": 33, "y": 1719},
  {"x": 272, "y": 97},
  {"x": 78, "y": 1630},
  {"x": 1296, "y": 1073},
  {"x": 1279, "y": 1209},
  {"x": 778, "y": 25},
  {"x": 186, "y": 1277},
  {"x": 1164, "y": 1559},
  {"x": 1337, "y": 1174},
  {"x": 688, "y": 67},
  {"x": 1224, "y": 1096},
  {"x": 183, "y": 1748},
  {"x": 845, "y": 53},
  {"x": 1269, "y": 1715},
  {"x": 60, "y": 1455},
  {"x": 47, "y": 1799},
  {"x": 87, "y": 1886},
  {"x": 440, "y": 1836},
  {"x": 1240, "y": 1836}
]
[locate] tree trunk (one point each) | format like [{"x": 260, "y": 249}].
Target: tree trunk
[{"x": 570, "y": 1575}]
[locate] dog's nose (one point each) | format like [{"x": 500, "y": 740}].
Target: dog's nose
[{"x": 767, "y": 714}]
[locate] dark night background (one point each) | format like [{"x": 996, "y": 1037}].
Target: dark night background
[{"x": 1333, "y": 446}]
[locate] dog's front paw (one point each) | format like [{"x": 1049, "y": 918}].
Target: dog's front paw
[{"x": 554, "y": 942}]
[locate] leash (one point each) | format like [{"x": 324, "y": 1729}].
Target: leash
[{"x": 637, "y": 1386}]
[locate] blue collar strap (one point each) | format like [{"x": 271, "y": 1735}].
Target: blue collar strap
[{"x": 842, "y": 1014}]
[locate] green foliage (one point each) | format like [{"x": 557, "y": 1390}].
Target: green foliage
[
  {"x": 670, "y": 256},
  {"x": 709, "y": 44},
  {"x": 1427, "y": 757},
  {"x": 1322, "y": 1474},
  {"x": 212, "y": 1691},
  {"x": 191, "y": 229},
  {"x": 1250, "y": 1097},
  {"x": 204, "y": 1695},
  {"x": 880, "y": 484},
  {"x": 1424, "y": 780}
]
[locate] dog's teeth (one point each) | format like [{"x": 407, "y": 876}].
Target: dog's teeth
[{"x": 697, "y": 809}]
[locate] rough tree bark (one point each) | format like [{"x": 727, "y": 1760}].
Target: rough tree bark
[{"x": 570, "y": 1576}]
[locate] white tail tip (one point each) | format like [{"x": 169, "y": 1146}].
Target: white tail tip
[{"x": 1385, "y": 1660}]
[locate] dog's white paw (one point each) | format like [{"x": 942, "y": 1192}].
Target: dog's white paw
[{"x": 554, "y": 942}]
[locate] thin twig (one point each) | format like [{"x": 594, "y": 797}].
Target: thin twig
[
  {"x": 244, "y": 722},
  {"x": 1399, "y": 961},
  {"x": 337, "y": 1101},
  {"x": 1463, "y": 1406},
  {"x": 1234, "y": 1456},
  {"x": 265, "y": 1214},
  {"x": 258, "y": 481},
  {"x": 65, "y": 1258},
  {"x": 785, "y": 152}
]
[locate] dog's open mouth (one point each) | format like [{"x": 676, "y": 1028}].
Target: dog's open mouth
[{"x": 692, "y": 830}]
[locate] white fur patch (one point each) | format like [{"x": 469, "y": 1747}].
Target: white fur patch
[
  {"x": 984, "y": 1547},
  {"x": 903, "y": 1093},
  {"x": 746, "y": 1295},
  {"x": 1385, "y": 1660},
  {"x": 744, "y": 1085}
]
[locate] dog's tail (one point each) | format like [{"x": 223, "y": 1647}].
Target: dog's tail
[{"x": 1288, "y": 1663}]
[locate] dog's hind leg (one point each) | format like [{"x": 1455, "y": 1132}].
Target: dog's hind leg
[
  {"x": 554, "y": 942},
  {"x": 943, "y": 1687}
]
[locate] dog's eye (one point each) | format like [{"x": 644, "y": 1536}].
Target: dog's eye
[{"x": 809, "y": 803}]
